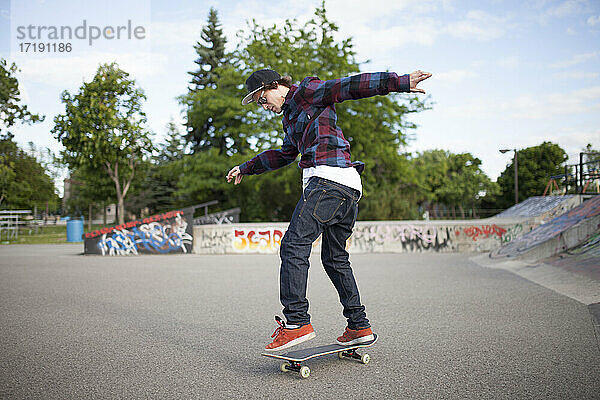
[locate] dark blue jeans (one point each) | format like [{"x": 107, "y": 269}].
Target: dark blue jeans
[{"x": 330, "y": 209}]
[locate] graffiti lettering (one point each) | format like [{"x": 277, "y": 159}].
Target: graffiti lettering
[
  {"x": 485, "y": 231},
  {"x": 371, "y": 238},
  {"x": 252, "y": 240},
  {"x": 129, "y": 225},
  {"x": 511, "y": 233},
  {"x": 147, "y": 236}
]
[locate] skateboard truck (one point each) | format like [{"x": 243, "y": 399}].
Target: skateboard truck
[
  {"x": 365, "y": 358},
  {"x": 304, "y": 371}
]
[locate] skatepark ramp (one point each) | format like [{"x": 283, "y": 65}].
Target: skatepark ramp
[
  {"x": 564, "y": 232},
  {"x": 542, "y": 208},
  {"x": 586, "y": 254}
]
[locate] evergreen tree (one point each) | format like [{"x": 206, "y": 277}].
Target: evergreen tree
[
  {"x": 174, "y": 146},
  {"x": 376, "y": 127},
  {"x": 204, "y": 124},
  {"x": 211, "y": 53}
]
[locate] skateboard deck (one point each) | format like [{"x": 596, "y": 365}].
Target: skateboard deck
[{"x": 296, "y": 357}]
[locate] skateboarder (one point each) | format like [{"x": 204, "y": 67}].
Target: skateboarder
[{"x": 331, "y": 189}]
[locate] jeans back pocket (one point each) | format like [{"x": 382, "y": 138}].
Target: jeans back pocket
[{"x": 327, "y": 205}]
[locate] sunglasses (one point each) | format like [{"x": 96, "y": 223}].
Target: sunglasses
[{"x": 261, "y": 100}]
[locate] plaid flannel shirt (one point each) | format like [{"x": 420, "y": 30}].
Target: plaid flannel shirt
[{"x": 309, "y": 121}]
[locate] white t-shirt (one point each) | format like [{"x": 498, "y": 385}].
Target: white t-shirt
[{"x": 345, "y": 176}]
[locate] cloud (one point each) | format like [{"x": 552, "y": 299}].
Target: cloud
[
  {"x": 423, "y": 32},
  {"x": 510, "y": 62},
  {"x": 572, "y": 139},
  {"x": 593, "y": 20},
  {"x": 568, "y": 7},
  {"x": 65, "y": 72},
  {"x": 576, "y": 74},
  {"x": 537, "y": 106},
  {"x": 175, "y": 33},
  {"x": 453, "y": 76},
  {"x": 564, "y": 9},
  {"x": 478, "y": 25},
  {"x": 575, "y": 60},
  {"x": 529, "y": 106}
]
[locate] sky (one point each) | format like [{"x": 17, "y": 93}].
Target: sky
[{"x": 506, "y": 74}]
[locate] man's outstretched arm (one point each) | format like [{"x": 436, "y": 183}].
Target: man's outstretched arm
[
  {"x": 266, "y": 161},
  {"x": 360, "y": 86}
]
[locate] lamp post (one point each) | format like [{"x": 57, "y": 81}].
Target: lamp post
[{"x": 516, "y": 173}]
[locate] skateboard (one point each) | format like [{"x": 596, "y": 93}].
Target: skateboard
[{"x": 294, "y": 359}]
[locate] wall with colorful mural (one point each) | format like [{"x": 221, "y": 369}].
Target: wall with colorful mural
[
  {"x": 368, "y": 237},
  {"x": 169, "y": 232}
]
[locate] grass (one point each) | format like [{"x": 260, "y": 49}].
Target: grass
[{"x": 48, "y": 234}]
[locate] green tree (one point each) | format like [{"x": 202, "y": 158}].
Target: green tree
[
  {"x": 211, "y": 53},
  {"x": 23, "y": 180},
  {"x": 8, "y": 182},
  {"x": 10, "y": 97},
  {"x": 174, "y": 146},
  {"x": 103, "y": 129},
  {"x": 156, "y": 191},
  {"x": 591, "y": 158},
  {"x": 535, "y": 167},
  {"x": 215, "y": 117},
  {"x": 209, "y": 103},
  {"x": 376, "y": 127},
  {"x": 88, "y": 186},
  {"x": 451, "y": 180}
]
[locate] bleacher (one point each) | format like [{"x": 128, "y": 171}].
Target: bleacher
[{"x": 12, "y": 221}]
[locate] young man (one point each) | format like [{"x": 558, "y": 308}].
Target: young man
[{"x": 331, "y": 189}]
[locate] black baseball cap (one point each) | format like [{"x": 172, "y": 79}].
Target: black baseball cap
[{"x": 257, "y": 81}]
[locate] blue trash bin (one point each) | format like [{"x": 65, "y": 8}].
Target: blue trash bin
[{"x": 75, "y": 230}]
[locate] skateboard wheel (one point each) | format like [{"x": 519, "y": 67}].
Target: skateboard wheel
[
  {"x": 365, "y": 359},
  {"x": 304, "y": 372},
  {"x": 341, "y": 355},
  {"x": 284, "y": 366}
]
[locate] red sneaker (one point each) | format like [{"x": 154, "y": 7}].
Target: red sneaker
[
  {"x": 285, "y": 338},
  {"x": 351, "y": 337}
]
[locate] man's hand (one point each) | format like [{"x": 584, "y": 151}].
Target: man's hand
[
  {"x": 415, "y": 78},
  {"x": 234, "y": 173}
]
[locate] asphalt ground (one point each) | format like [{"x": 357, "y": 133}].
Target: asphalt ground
[{"x": 193, "y": 326}]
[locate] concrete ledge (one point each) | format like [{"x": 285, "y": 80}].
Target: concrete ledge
[{"x": 369, "y": 236}]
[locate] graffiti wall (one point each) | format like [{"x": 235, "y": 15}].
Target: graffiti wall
[
  {"x": 368, "y": 237},
  {"x": 371, "y": 238},
  {"x": 551, "y": 229},
  {"x": 170, "y": 232}
]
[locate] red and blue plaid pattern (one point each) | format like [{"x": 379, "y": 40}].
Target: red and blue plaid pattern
[{"x": 309, "y": 121}]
